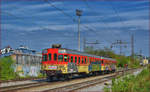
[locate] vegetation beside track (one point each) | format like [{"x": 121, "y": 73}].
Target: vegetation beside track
[
  {"x": 132, "y": 83},
  {"x": 121, "y": 59},
  {"x": 7, "y": 71}
]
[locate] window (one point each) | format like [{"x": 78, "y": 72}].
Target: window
[
  {"x": 79, "y": 60},
  {"x": 71, "y": 58},
  {"x": 88, "y": 59},
  {"x": 82, "y": 60},
  {"x": 85, "y": 60},
  {"x": 50, "y": 56},
  {"x": 65, "y": 58},
  {"x": 68, "y": 58},
  {"x": 60, "y": 58},
  {"x": 55, "y": 56},
  {"x": 44, "y": 58},
  {"x": 75, "y": 59},
  {"x": 102, "y": 61}
]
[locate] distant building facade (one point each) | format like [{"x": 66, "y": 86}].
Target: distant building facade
[{"x": 28, "y": 61}]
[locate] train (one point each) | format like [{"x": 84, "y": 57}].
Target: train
[
  {"x": 144, "y": 61},
  {"x": 65, "y": 63}
]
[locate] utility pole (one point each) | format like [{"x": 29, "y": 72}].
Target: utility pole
[
  {"x": 132, "y": 45},
  {"x": 78, "y": 13},
  {"x": 121, "y": 44},
  {"x": 149, "y": 35},
  {"x": 84, "y": 44},
  {"x": 140, "y": 52}
]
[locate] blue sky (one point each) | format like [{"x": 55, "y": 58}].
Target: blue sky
[{"x": 38, "y": 25}]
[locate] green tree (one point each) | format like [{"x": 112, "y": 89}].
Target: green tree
[{"x": 6, "y": 69}]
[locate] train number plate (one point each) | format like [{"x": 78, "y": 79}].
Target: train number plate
[{"x": 52, "y": 67}]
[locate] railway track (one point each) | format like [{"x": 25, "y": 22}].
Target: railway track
[
  {"x": 66, "y": 85},
  {"x": 88, "y": 83},
  {"x": 21, "y": 79},
  {"x": 22, "y": 86}
]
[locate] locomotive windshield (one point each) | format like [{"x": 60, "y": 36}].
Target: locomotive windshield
[{"x": 44, "y": 58}]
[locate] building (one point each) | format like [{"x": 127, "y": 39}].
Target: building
[{"x": 27, "y": 61}]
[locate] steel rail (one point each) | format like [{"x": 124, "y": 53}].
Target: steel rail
[{"x": 70, "y": 87}]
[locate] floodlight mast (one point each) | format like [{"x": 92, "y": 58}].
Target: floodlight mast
[{"x": 78, "y": 13}]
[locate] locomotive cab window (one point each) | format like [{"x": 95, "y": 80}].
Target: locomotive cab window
[
  {"x": 55, "y": 56},
  {"x": 44, "y": 58},
  {"x": 60, "y": 58},
  {"x": 65, "y": 58}
]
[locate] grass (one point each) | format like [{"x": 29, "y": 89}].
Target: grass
[
  {"x": 7, "y": 71},
  {"x": 131, "y": 83}
]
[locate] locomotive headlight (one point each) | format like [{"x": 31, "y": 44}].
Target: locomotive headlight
[{"x": 44, "y": 66}]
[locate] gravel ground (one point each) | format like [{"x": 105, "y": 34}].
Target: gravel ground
[
  {"x": 60, "y": 84},
  {"x": 20, "y": 82}
]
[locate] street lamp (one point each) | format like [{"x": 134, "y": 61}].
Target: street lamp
[{"x": 78, "y": 13}]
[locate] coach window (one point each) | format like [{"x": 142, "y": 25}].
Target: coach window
[
  {"x": 65, "y": 58},
  {"x": 102, "y": 61},
  {"x": 68, "y": 58},
  {"x": 60, "y": 58},
  {"x": 55, "y": 56},
  {"x": 85, "y": 60},
  {"x": 75, "y": 59},
  {"x": 79, "y": 60},
  {"x": 82, "y": 60},
  {"x": 50, "y": 56},
  {"x": 88, "y": 59},
  {"x": 71, "y": 58}
]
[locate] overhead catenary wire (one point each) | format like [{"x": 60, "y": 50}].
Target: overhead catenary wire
[
  {"x": 69, "y": 16},
  {"x": 74, "y": 20},
  {"x": 107, "y": 26}
]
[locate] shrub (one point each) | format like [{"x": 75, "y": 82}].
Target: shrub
[
  {"x": 131, "y": 83},
  {"x": 6, "y": 69}
]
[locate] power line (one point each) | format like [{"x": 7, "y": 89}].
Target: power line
[
  {"x": 116, "y": 12},
  {"x": 107, "y": 26},
  {"x": 121, "y": 44},
  {"x": 69, "y": 16}
]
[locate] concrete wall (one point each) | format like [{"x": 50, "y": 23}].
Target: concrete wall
[{"x": 27, "y": 65}]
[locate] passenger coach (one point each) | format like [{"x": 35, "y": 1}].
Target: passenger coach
[{"x": 61, "y": 62}]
